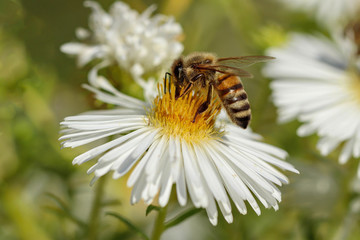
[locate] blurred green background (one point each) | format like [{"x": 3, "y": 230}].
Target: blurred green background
[{"x": 42, "y": 196}]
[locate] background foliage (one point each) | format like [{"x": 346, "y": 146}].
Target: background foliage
[{"x": 42, "y": 196}]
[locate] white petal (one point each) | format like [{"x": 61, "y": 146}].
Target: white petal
[
  {"x": 225, "y": 169},
  {"x": 326, "y": 145},
  {"x": 104, "y": 147},
  {"x": 138, "y": 189},
  {"x": 82, "y": 33},
  {"x": 346, "y": 151},
  {"x": 154, "y": 162},
  {"x": 73, "y": 48},
  {"x": 139, "y": 169},
  {"x": 211, "y": 176},
  {"x": 129, "y": 162},
  {"x": 258, "y": 145},
  {"x": 166, "y": 184},
  {"x": 212, "y": 212},
  {"x": 117, "y": 98},
  {"x": 193, "y": 180},
  {"x": 75, "y": 142},
  {"x": 181, "y": 186}
]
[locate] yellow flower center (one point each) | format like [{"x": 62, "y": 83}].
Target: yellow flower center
[{"x": 174, "y": 117}]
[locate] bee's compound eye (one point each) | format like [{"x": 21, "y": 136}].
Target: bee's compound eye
[
  {"x": 207, "y": 61},
  {"x": 178, "y": 70}
]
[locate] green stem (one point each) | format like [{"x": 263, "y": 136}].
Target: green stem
[
  {"x": 92, "y": 231},
  {"x": 159, "y": 224}
]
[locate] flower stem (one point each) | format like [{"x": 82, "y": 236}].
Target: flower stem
[
  {"x": 159, "y": 224},
  {"x": 92, "y": 230}
]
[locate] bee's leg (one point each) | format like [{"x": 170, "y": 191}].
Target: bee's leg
[
  {"x": 167, "y": 77},
  {"x": 203, "y": 82},
  {"x": 205, "y": 104},
  {"x": 189, "y": 86},
  {"x": 187, "y": 89},
  {"x": 177, "y": 92}
]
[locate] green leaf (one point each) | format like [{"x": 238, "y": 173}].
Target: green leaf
[
  {"x": 175, "y": 221},
  {"x": 129, "y": 224},
  {"x": 151, "y": 208},
  {"x": 63, "y": 213},
  {"x": 60, "y": 202},
  {"x": 63, "y": 209}
]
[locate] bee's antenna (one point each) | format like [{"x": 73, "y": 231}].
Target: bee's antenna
[{"x": 167, "y": 77}]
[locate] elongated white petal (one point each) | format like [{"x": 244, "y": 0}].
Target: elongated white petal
[
  {"x": 75, "y": 142},
  {"x": 116, "y": 98},
  {"x": 181, "y": 186},
  {"x": 241, "y": 186},
  {"x": 166, "y": 184},
  {"x": 212, "y": 212},
  {"x": 193, "y": 180},
  {"x": 104, "y": 147},
  {"x": 212, "y": 179}
]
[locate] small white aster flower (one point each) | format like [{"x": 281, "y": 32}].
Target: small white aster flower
[
  {"x": 137, "y": 42},
  {"x": 212, "y": 161},
  {"x": 317, "y": 81},
  {"x": 328, "y": 12}
]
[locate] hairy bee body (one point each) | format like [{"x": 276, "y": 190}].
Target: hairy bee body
[
  {"x": 222, "y": 75},
  {"x": 231, "y": 92}
]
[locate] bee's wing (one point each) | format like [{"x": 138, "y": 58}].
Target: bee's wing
[
  {"x": 243, "y": 61},
  {"x": 226, "y": 70}
]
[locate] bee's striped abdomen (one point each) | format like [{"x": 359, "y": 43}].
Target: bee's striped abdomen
[{"x": 234, "y": 98}]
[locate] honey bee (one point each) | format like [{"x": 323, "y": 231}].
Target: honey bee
[{"x": 206, "y": 71}]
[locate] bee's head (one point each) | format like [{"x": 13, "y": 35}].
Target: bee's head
[{"x": 177, "y": 71}]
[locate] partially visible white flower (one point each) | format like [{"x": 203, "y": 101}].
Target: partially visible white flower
[
  {"x": 317, "y": 81},
  {"x": 211, "y": 161},
  {"x": 328, "y": 12},
  {"x": 136, "y": 42}
]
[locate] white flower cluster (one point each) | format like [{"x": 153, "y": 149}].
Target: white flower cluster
[
  {"x": 138, "y": 43},
  {"x": 317, "y": 81}
]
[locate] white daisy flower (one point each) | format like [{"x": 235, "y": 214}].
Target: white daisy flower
[
  {"x": 328, "y": 12},
  {"x": 134, "y": 41},
  {"x": 209, "y": 160},
  {"x": 317, "y": 81}
]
